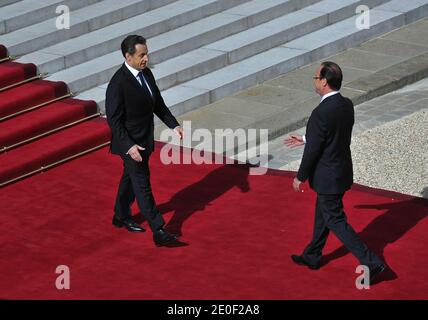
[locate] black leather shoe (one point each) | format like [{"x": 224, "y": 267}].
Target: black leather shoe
[
  {"x": 163, "y": 238},
  {"x": 302, "y": 262},
  {"x": 128, "y": 223},
  {"x": 375, "y": 272}
]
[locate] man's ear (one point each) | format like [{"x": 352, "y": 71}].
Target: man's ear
[{"x": 324, "y": 82}]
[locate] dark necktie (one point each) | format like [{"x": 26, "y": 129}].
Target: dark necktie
[{"x": 145, "y": 84}]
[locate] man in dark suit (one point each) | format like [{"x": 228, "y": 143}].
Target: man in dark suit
[
  {"x": 132, "y": 98},
  {"x": 327, "y": 163}
]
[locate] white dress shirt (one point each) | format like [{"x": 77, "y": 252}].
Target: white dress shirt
[
  {"x": 328, "y": 95},
  {"x": 135, "y": 73}
]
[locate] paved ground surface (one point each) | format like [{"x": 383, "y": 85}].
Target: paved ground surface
[
  {"x": 389, "y": 146},
  {"x": 371, "y": 71},
  {"x": 281, "y": 105}
]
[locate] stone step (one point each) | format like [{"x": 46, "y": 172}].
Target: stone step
[
  {"x": 190, "y": 95},
  {"x": 8, "y": 2},
  {"x": 304, "y": 50},
  {"x": 82, "y": 21},
  {"x": 24, "y": 13},
  {"x": 279, "y": 122},
  {"x": 173, "y": 43},
  {"x": 106, "y": 40},
  {"x": 253, "y": 41}
]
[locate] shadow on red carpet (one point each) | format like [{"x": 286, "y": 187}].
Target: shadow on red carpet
[{"x": 238, "y": 232}]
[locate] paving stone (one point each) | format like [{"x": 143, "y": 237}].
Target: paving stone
[
  {"x": 300, "y": 79},
  {"x": 415, "y": 33},
  {"x": 392, "y": 48},
  {"x": 364, "y": 107},
  {"x": 250, "y": 109},
  {"x": 386, "y": 118},
  {"x": 364, "y": 60},
  {"x": 275, "y": 95}
]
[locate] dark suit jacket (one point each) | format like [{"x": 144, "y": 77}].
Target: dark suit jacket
[
  {"x": 327, "y": 161},
  {"x": 130, "y": 110}
]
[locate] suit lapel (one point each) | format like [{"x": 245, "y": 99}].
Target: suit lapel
[
  {"x": 130, "y": 77},
  {"x": 134, "y": 82}
]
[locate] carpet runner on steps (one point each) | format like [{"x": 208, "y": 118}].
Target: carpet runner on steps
[
  {"x": 43, "y": 121},
  {"x": 3, "y": 52},
  {"x": 52, "y": 149},
  {"x": 40, "y": 124},
  {"x": 30, "y": 95},
  {"x": 12, "y": 73}
]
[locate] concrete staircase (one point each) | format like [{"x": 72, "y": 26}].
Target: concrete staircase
[{"x": 200, "y": 50}]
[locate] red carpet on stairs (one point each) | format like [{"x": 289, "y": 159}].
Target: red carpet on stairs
[
  {"x": 12, "y": 72},
  {"x": 3, "y": 52},
  {"x": 29, "y": 95},
  {"x": 53, "y": 148},
  {"x": 40, "y": 126},
  {"x": 45, "y": 119},
  {"x": 238, "y": 232}
]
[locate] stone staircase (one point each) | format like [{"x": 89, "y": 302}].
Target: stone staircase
[{"x": 200, "y": 50}]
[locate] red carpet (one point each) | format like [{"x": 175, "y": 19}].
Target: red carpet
[
  {"x": 240, "y": 232},
  {"x": 12, "y": 72},
  {"x": 53, "y": 148},
  {"x": 40, "y": 126},
  {"x": 29, "y": 95},
  {"x": 3, "y": 52},
  {"x": 43, "y": 120}
]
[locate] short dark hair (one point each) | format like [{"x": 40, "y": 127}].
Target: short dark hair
[
  {"x": 129, "y": 43},
  {"x": 332, "y": 73}
]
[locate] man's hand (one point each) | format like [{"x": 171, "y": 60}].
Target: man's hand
[
  {"x": 296, "y": 185},
  {"x": 179, "y": 132},
  {"x": 135, "y": 154},
  {"x": 294, "y": 140}
]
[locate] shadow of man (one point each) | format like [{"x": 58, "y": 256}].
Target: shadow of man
[
  {"x": 201, "y": 194},
  {"x": 387, "y": 228}
]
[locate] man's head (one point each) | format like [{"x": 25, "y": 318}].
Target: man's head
[
  {"x": 134, "y": 49},
  {"x": 328, "y": 78}
]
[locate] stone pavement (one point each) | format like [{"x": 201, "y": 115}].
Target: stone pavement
[{"x": 284, "y": 104}]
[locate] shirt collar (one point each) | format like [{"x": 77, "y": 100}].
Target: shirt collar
[
  {"x": 134, "y": 71},
  {"x": 328, "y": 95}
]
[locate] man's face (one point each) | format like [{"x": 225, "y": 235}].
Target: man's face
[
  {"x": 140, "y": 58},
  {"x": 319, "y": 84}
]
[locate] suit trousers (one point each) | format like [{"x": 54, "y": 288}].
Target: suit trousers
[
  {"x": 135, "y": 184},
  {"x": 329, "y": 216}
]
